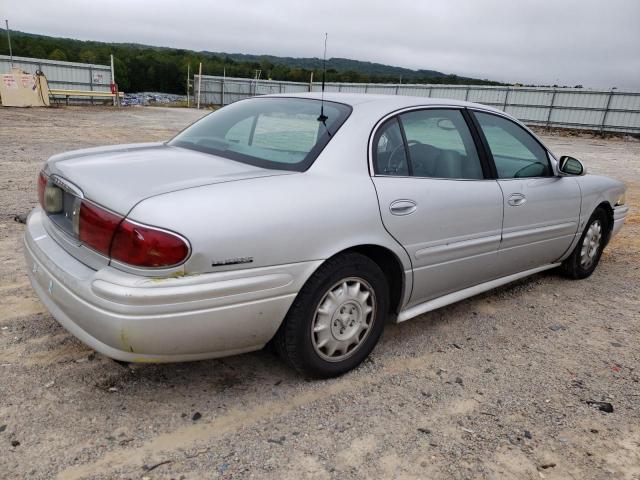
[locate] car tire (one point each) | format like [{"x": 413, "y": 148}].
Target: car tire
[
  {"x": 586, "y": 255},
  {"x": 337, "y": 318}
]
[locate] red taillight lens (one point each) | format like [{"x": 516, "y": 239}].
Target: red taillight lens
[
  {"x": 147, "y": 247},
  {"x": 97, "y": 226},
  {"x": 128, "y": 242},
  {"x": 42, "y": 184}
]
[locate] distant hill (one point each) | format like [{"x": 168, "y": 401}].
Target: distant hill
[
  {"x": 339, "y": 65},
  {"x": 163, "y": 69}
]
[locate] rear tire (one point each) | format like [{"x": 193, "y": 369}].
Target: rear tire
[
  {"x": 337, "y": 318},
  {"x": 586, "y": 255}
]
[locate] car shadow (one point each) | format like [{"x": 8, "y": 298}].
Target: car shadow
[{"x": 263, "y": 369}]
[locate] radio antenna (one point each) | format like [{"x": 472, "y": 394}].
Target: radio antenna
[{"x": 323, "y": 118}]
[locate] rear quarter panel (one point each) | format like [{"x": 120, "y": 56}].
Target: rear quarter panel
[
  {"x": 281, "y": 219},
  {"x": 275, "y": 220}
]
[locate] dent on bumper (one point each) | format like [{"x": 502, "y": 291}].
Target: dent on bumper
[{"x": 139, "y": 319}]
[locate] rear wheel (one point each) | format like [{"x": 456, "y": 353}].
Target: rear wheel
[
  {"x": 337, "y": 318},
  {"x": 586, "y": 255}
]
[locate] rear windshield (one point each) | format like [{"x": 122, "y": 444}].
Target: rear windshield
[{"x": 269, "y": 132}]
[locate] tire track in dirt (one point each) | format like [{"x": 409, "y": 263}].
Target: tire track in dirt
[{"x": 193, "y": 435}]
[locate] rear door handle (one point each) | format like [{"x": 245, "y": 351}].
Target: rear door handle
[
  {"x": 516, "y": 199},
  {"x": 403, "y": 207}
]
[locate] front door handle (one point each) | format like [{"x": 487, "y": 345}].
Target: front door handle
[
  {"x": 403, "y": 207},
  {"x": 516, "y": 199}
]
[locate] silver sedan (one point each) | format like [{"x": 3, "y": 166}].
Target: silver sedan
[{"x": 307, "y": 222}]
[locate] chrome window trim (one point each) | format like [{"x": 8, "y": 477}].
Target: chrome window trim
[{"x": 438, "y": 178}]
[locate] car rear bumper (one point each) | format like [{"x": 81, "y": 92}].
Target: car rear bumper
[{"x": 140, "y": 319}]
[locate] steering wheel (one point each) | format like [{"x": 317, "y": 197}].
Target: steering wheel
[
  {"x": 396, "y": 167},
  {"x": 539, "y": 167}
]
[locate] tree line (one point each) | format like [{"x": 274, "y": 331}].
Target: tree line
[{"x": 144, "y": 68}]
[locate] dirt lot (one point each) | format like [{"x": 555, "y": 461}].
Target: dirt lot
[{"x": 493, "y": 387}]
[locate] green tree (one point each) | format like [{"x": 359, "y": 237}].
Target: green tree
[
  {"x": 57, "y": 54},
  {"x": 121, "y": 74},
  {"x": 141, "y": 67},
  {"x": 36, "y": 51},
  {"x": 88, "y": 56}
]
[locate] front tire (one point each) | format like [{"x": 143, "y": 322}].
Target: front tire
[
  {"x": 586, "y": 255},
  {"x": 337, "y": 318}
]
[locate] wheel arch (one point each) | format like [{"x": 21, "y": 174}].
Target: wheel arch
[
  {"x": 608, "y": 209},
  {"x": 390, "y": 265}
]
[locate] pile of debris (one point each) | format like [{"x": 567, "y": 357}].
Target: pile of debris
[{"x": 151, "y": 98}]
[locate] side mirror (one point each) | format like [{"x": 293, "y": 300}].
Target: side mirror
[{"x": 570, "y": 166}]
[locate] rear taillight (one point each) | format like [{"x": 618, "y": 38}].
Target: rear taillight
[
  {"x": 109, "y": 233},
  {"x": 145, "y": 246},
  {"x": 50, "y": 196},
  {"x": 129, "y": 242},
  {"x": 96, "y": 227}
]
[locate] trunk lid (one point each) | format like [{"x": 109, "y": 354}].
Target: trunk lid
[{"x": 119, "y": 177}]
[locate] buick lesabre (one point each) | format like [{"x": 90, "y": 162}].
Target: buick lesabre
[{"x": 307, "y": 222}]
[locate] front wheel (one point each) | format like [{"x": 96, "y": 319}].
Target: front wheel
[
  {"x": 585, "y": 257},
  {"x": 337, "y": 318}
]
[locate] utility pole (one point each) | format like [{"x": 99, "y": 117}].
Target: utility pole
[
  {"x": 9, "y": 39},
  {"x": 113, "y": 81},
  {"x": 199, "y": 83},
  {"x": 224, "y": 77},
  {"x": 188, "y": 83}
]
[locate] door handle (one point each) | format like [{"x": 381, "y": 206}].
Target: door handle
[
  {"x": 403, "y": 207},
  {"x": 516, "y": 199}
]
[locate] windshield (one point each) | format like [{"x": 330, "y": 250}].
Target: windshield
[{"x": 271, "y": 132}]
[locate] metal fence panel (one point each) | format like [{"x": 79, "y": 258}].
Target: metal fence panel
[
  {"x": 381, "y": 89},
  {"x": 530, "y": 115},
  {"x": 454, "y": 93},
  {"x": 582, "y": 100},
  {"x": 63, "y": 75},
  {"x": 563, "y": 116},
  {"x": 487, "y": 96},
  {"x": 530, "y": 97},
  {"x": 615, "y": 119},
  {"x": 625, "y": 101},
  {"x": 413, "y": 90},
  {"x": 296, "y": 88}
]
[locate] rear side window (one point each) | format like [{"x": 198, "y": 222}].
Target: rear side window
[
  {"x": 516, "y": 153},
  {"x": 440, "y": 145}
]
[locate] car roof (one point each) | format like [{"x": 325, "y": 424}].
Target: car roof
[{"x": 387, "y": 102}]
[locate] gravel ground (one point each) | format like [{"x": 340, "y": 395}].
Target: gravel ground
[{"x": 493, "y": 387}]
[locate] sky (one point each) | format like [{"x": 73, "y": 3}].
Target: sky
[{"x": 595, "y": 43}]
